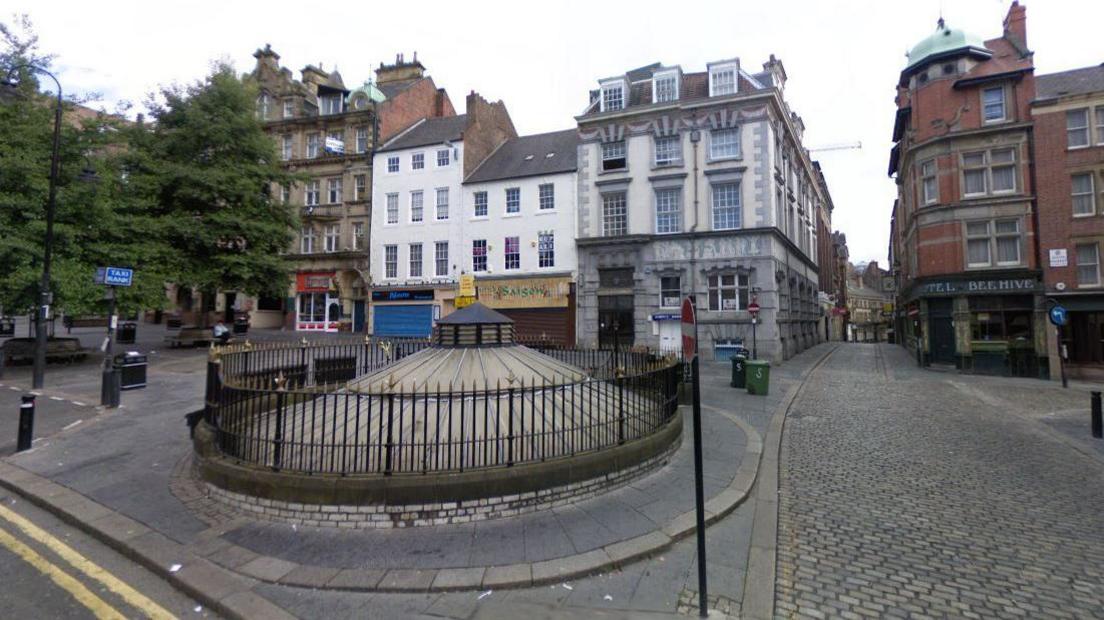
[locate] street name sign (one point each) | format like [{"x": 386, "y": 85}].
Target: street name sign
[{"x": 118, "y": 276}]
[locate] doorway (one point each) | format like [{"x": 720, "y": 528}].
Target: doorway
[
  {"x": 358, "y": 315},
  {"x": 615, "y": 321},
  {"x": 941, "y": 331},
  {"x": 228, "y": 309},
  {"x": 670, "y": 337}
]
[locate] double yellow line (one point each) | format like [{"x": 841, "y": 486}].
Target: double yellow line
[{"x": 95, "y": 604}]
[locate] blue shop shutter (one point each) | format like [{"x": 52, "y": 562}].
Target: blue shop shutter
[{"x": 408, "y": 321}]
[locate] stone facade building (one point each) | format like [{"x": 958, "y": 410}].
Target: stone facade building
[
  {"x": 1068, "y": 112},
  {"x": 697, "y": 184},
  {"x": 964, "y": 222},
  {"x": 328, "y": 131}
]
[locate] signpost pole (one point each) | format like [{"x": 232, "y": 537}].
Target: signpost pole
[
  {"x": 109, "y": 392},
  {"x": 1058, "y": 318},
  {"x": 690, "y": 347}
]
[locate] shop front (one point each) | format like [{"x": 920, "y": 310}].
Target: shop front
[
  {"x": 1083, "y": 335},
  {"x": 405, "y": 313},
  {"x": 543, "y": 308},
  {"x": 317, "y": 304},
  {"x": 981, "y": 325}
]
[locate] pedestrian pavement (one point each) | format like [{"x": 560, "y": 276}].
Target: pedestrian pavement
[
  {"x": 911, "y": 493},
  {"x": 129, "y": 465}
]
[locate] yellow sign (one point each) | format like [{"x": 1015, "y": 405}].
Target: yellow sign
[
  {"x": 525, "y": 292},
  {"x": 463, "y": 301},
  {"x": 467, "y": 285},
  {"x": 887, "y": 307}
]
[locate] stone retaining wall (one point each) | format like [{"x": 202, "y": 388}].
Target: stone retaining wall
[{"x": 414, "y": 515}]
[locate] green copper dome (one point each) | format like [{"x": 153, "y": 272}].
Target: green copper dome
[{"x": 943, "y": 42}]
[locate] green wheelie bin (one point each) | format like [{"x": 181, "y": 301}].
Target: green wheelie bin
[{"x": 758, "y": 377}]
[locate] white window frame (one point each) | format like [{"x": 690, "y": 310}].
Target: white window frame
[
  {"x": 314, "y": 144},
  {"x": 289, "y": 108},
  {"x": 479, "y": 261},
  {"x": 666, "y": 301},
  {"x": 612, "y": 151},
  {"x": 392, "y": 208},
  {"x": 390, "y": 262},
  {"x": 1098, "y": 111},
  {"x": 417, "y": 206},
  {"x": 1091, "y": 194},
  {"x": 361, "y": 139},
  {"x": 328, "y": 107},
  {"x": 417, "y": 161},
  {"x": 546, "y": 196},
  {"x": 974, "y": 236},
  {"x": 414, "y": 261},
  {"x": 1080, "y": 265},
  {"x": 1078, "y": 128},
  {"x": 998, "y": 235},
  {"x": 716, "y": 282},
  {"x": 985, "y": 105},
  {"x": 392, "y": 164},
  {"x": 729, "y": 131},
  {"x": 332, "y": 238},
  {"x": 716, "y": 88},
  {"x": 663, "y": 76},
  {"x": 929, "y": 173},
  {"x": 360, "y": 186},
  {"x": 306, "y": 240},
  {"x": 312, "y": 193},
  {"x": 726, "y": 210},
  {"x": 667, "y": 220},
  {"x": 615, "y": 205},
  {"x": 358, "y": 235},
  {"x": 609, "y": 103},
  {"x": 334, "y": 190},
  {"x": 513, "y": 200},
  {"x": 441, "y": 213},
  {"x": 287, "y": 151},
  {"x": 986, "y": 169},
  {"x": 285, "y": 193},
  {"x": 262, "y": 106},
  {"x": 546, "y": 249},
  {"x": 444, "y": 158},
  {"x": 479, "y": 204},
  {"x": 507, "y": 254},
  {"x": 440, "y": 253},
  {"x": 665, "y": 153}
]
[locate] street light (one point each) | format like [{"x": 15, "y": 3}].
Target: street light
[{"x": 45, "y": 297}]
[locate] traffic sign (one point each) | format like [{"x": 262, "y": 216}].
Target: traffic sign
[
  {"x": 1058, "y": 316},
  {"x": 118, "y": 276},
  {"x": 689, "y": 331},
  {"x": 753, "y": 307}
]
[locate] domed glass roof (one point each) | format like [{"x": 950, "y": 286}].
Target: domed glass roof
[{"x": 944, "y": 41}]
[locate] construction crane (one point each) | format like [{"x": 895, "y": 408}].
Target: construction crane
[{"x": 838, "y": 147}]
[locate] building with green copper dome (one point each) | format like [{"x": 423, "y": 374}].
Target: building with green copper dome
[{"x": 944, "y": 43}]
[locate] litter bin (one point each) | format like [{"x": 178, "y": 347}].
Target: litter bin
[
  {"x": 241, "y": 324},
  {"x": 132, "y": 370},
  {"x": 739, "y": 371},
  {"x": 758, "y": 377},
  {"x": 126, "y": 333}
]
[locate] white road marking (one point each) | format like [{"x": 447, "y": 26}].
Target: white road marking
[
  {"x": 79, "y": 403},
  {"x": 69, "y": 426},
  {"x": 56, "y": 398}
]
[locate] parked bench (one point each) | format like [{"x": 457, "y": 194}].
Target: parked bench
[
  {"x": 19, "y": 350},
  {"x": 84, "y": 321},
  {"x": 191, "y": 336}
]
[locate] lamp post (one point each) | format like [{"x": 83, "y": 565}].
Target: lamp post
[{"x": 45, "y": 298}]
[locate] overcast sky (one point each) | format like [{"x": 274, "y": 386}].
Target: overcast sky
[{"x": 842, "y": 57}]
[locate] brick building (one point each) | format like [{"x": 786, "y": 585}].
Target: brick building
[
  {"x": 964, "y": 224},
  {"x": 1068, "y": 112},
  {"x": 328, "y": 132}
]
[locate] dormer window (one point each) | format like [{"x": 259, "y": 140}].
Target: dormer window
[
  {"x": 332, "y": 104},
  {"x": 289, "y": 108},
  {"x": 722, "y": 79},
  {"x": 665, "y": 87},
  {"x": 613, "y": 96},
  {"x": 262, "y": 106}
]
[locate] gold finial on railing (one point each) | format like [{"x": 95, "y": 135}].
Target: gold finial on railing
[
  {"x": 213, "y": 353},
  {"x": 303, "y": 341},
  {"x": 385, "y": 346},
  {"x": 511, "y": 377},
  {"x": 280, "y": 381},
  {"x": 619, "y": 372},
  {"x": 368, "y": 339}
]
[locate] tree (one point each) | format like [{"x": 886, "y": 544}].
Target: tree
[
  {"x": 206, "y": 171},
  {"x": 95, "y": 224}
]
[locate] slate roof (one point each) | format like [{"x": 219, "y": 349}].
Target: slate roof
[
  {"x": 475, "y": 314},
  {"x": 391, "y": 89},
  {"x": 694, "y": 86},
  {"x": 1074, "y": 82},
  {"x": 527, "y": 156},
  {"x": 429, "y": 131}
]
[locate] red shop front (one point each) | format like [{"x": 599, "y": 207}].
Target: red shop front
[{"x": 317, "y": 308}]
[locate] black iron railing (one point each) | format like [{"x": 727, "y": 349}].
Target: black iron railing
[{"x": 286, "y": 407}]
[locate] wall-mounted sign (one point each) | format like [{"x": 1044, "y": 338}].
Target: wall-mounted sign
[
  {"x": 1009, "y": 285},
  {"x": 403, "y": 295},
  {"x": 313, "y": 282},
  {"x": 334, "y": 145},
  {"x": 467, "y": 285},
  {"x": 1059, "y": 258},
  {"x": 525, "y": 292},
  {"x": 666, "y": 316}
]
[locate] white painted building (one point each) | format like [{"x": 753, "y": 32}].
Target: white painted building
[{"x": 517, "y": 233}]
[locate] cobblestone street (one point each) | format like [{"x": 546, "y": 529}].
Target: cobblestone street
[{"x": 912, "y": 493}]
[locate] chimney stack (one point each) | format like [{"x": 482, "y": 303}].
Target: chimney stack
[{"x": 1015, "y": 25}]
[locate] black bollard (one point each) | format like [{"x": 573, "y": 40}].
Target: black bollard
[
  {"x": 1097, "y": 422},
  {"x": 26, "y": 422}
]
